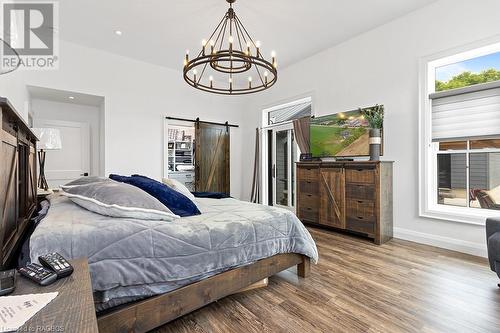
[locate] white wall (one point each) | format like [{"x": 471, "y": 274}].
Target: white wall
[
  {"x": 50, "y": 110},
  {"x": 137, "y": 96},
  {"x": 381, "y": 66}
]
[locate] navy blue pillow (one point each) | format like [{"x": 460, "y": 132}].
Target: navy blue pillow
[{"x": 177, "y": 202}]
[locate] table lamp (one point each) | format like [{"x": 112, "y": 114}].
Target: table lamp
[{"x": 49, "y": 139}]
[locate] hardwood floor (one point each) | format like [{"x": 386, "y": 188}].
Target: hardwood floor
[{"x": 361, "y": 287}]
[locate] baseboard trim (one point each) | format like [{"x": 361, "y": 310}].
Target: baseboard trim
[{"x": 472, "y": 248}]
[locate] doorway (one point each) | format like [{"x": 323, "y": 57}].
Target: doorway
[
  {"x": 197, "y": 155},
  {"x": 80, "y": 120},
  {"x": 281, "y": 152},
  {"x": 284, "y": 155},
  {"x": 72, "y": 161}
]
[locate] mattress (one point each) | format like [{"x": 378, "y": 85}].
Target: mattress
[{"x": 131, "y": 259}]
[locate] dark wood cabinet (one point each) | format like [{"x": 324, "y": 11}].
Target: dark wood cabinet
[
  {"x": 351, "y": 196},
  {"x": 18, "y": 176}
]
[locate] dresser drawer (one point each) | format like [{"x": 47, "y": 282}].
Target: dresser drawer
[
  {"x": 308, "y": 214},
  {"x": 358, "y": 207},
  {"x": 360, "y": 191},
  {"x": 308, "y": 173},
  {"x": 360, "y": 224},
  {"x": 308, "y": 200},
  {"x": 308, "y": 187},
  {"x": 361, "y": 175}
]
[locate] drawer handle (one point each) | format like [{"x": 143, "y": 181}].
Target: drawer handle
[
  {"x": 309, "y": 195},
  {"x": 360, "y": 201},
  {"x": 360, "y": 170},
  {"x": 360, "y": 217},
  {"x": 308, "y": 208},
  {"x": 309, "y": 182},
  {"x": 308, "y": 169}
]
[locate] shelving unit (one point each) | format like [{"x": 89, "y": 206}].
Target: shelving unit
[{"x": 181, "y": 155}]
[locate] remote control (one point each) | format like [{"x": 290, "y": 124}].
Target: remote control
[
  {"x": 38, "y": 273},
  {"x": 56, "y": 262},
  {"x": 7, "y": 282}
]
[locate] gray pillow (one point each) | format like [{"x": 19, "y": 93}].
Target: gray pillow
[
  {"x": 85, "y": 181},
  {"x": 117, "y": 199}
]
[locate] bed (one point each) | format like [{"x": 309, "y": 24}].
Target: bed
[{"x": 146, "y": 273}]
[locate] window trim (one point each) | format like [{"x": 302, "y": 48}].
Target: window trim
[{"x": 427, "y": 166}]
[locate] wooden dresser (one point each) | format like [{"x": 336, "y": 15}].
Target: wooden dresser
[
  {"x": 351, "y": 196},
  {"x": 18, "y": 177}
]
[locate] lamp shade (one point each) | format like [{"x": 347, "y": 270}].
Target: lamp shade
[{"x": 50, "y": 138}]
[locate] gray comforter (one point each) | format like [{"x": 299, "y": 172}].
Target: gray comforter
[{"x": 132, "y": 258}]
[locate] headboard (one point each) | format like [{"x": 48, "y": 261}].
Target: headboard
[{"x": 18, "y": 182}]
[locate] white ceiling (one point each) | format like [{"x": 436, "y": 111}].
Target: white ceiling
[{"x": 159, "y": 31}]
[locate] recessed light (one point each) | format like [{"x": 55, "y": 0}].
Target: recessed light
[
  {"x": 118, "y": 32},
  {"x": 71, "y": 97}
]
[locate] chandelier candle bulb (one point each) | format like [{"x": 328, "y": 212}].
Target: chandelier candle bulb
[
  {"x": 266, "y": 74},
  {"x": 273, "y": 56},
  {"x": 212, "y": 46},
  {"x": 257, "y": 46},
  {"x": 249, "y": 52},
  {"x": 211, "y": 79},
  {"x": 203, "y": 45},
  {"x": 195, "y": 72},
  {"x": 249, "y": 82}
]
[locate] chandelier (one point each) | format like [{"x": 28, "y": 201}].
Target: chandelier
[{"x": 230, "y": 61}]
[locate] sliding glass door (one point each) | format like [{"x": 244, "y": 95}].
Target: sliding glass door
[{"x": 284, "y": 156}]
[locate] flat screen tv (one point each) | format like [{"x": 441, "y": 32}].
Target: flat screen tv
[{"x": 343, "y": 134}]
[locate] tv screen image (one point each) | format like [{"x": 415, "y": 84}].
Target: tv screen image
[{"x": 344, "y": 134}]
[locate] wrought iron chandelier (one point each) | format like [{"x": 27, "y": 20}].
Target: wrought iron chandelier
[{"x": 230, "y": 61}]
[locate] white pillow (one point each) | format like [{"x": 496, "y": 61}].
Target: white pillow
[{"x": 179, "y": 187}]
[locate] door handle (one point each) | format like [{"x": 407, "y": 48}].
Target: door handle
[
  {"x": 85, "y": 174},
  {"x": 274, "y": 170}
]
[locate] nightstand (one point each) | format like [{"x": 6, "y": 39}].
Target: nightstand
[{"x": 73, "y": 308}]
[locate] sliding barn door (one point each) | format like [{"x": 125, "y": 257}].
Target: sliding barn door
[
  {"x": 212, "y": 158},
  {"x": 332, "y": 187}
]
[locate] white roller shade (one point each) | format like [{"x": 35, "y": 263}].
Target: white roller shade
[{"x": 467, "y": 112}]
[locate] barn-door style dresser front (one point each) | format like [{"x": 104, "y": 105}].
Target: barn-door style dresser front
[
  {"x": 351, "y": 196},
  {"x": 17, "y": 180}
]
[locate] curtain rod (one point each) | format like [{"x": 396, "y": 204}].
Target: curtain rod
[{"x": 200, "y": 121}]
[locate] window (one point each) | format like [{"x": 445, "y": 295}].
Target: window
[
  {"x": 460, "y": 135},
  {"x": 469, "y": 173},
  {"x": 287, "y": 112},
  {"x": 468, "y": 72}
]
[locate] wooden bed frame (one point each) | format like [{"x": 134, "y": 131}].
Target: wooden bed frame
[
  {"x": 145, "y": 315},
  {"x": 18, "y": 198}
]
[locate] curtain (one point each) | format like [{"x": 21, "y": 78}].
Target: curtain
[
  {"x": 301, "y": 130},
  {"x": 255, "y": 197}
]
